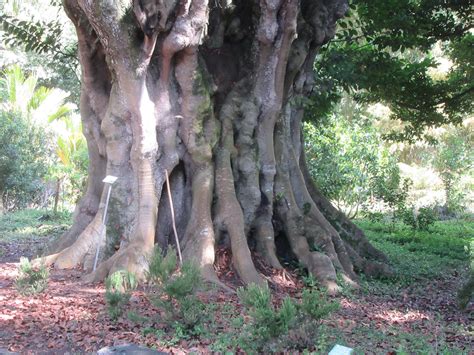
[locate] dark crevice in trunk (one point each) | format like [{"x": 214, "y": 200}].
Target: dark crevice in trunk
[{"x": 179, "y": 191}]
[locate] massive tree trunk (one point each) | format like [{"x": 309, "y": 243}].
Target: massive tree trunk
[{"x": 207, "y": 91}]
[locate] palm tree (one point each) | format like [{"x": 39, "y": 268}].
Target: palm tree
[{"x": 40, "y": 104}]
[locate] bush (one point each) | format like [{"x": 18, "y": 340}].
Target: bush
[
  {"x": 174, "y": 290},
  {"x": 23, "y": 160},
  {"x": 267, "y": 321},
  {"x": 119, "y": 286},
  {"x": 314, "y": 304},
  {"x": 31, "y": 280},
  {"x": 420, "y": 219},
  {"x": 289, "y": 326},
  {"x": 454, "y": 157},
  {"x": 349, "y": 163}
]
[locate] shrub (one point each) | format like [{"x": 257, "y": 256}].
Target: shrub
[
  {"x": 420, "y": 219},
  {"x": 174, "y": 290},
  {"x": 119, "y": 286},
  {"x": 268, "y": 321},
  {"x": 349, "y": 162},
  {"x": 23, "y": 160},
  {"x": 289, "y": 326},
  {"x": 31, "y": 280},
  {"x": 315, "y": 304}
]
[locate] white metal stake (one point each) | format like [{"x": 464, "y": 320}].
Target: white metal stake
[{"x": 108, "y": 180}]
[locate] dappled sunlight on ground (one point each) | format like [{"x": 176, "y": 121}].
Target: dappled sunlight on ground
[
  {"x": 383, "y": 312},
  {"x": 397, "y": 317}
]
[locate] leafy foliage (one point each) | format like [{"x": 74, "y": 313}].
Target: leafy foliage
[
  {"x": 21, "y": 94},
  {"x": 24, "y": 153},
  {"x": 382, "y": 53},
  {"x": 420, "y": 218},
  {"x": 31, "y": 280},
  {"x": 39, "y": 36},
  {"x": 46, "y": 110},
  {"x": 349, "y": 162},
  {"x": 454, "y": 156},
  {"x": 45, "y": 37}
]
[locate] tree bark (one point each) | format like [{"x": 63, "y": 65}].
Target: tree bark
[{"x": 208, "y": 91}]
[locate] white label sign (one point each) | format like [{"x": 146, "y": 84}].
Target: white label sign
[{"x": 109, "y": 179}]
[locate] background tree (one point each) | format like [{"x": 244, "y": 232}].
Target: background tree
[
  {"x": 350, "y": 162},
  {"x": 36, "y": 121},
  {"x": 23, "y": 161},
  {"x": 454, "y": 156},
  {"x": 26, "y": 152}
]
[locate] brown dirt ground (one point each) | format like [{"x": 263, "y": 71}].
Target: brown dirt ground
[{"x": 71, "y": 317}]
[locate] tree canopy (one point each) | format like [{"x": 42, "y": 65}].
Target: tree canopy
[{"x": 383, "y": 52}]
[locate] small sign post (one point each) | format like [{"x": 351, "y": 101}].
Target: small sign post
[{"x": 109, "y": 180}]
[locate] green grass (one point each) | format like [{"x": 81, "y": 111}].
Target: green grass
[
  {"x": 417, "y": 258},
  {"x": 26, "y": 224},
  {"x": 416, "y": 255}
]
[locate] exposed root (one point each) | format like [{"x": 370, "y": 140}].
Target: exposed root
[
  {"x": 133, "y": 258},
  {"x": 81, "y": 252},
  {"x": 230, "y": 213},
  {"x": 199, "y": 236},
  {"x": 264, "y": 234}
]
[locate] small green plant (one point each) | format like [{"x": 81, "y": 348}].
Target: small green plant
[
  {"x": 119, "y": 287},
  {"x": 279, "y": 196},
  {"x": 175, "y": 292},
  {"x": 31, "y": 280},
  {"x": 267, "y": 320},
  {"x": 314, "y": 303},
  {"x": 309, "y": 280},
  {"x": 284, "y": 327}
]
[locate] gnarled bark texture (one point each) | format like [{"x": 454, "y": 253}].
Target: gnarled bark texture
[{"x": 205, "y": 90}]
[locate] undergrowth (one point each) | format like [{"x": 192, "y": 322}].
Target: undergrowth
[
  {"x": 263, "y": 325},
  {"x": 174, "y": 290},
  {"x": 293, "y": 325}
]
